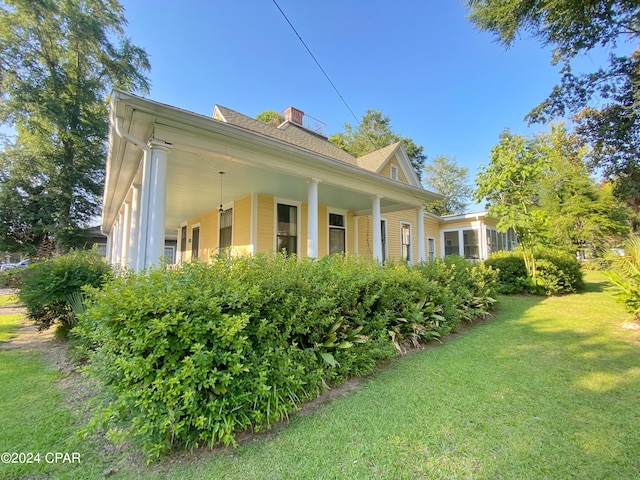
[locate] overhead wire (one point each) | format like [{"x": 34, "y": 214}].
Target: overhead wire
[{"x": 315, "y": 60}]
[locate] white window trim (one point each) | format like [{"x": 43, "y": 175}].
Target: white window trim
[
  {"x": 385, "y": 245},
  {"x": 174, "y": 256},
  {"x": 435, "y": 248},
  {"x": 394, "y": 171},
  {"x": 179, "y": 243},
  {"x": 293, "y": 203},
  {"x": 337, "y": 211},
  {"x": 410, "y": 225},
  {"x": 226, "y": 206},
  {"x": 190, "y": 240}
]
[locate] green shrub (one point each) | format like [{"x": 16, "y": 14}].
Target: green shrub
[
  {"x": 11, "y": 278},
  {"x": 464, "y": 289},
  {"x": 48, "y": 287},
  {"x": 192, "y": 356},
  {"x": 512, "y": 272},
  {"x": 557, "y": 272},
  {"x": 624, "y": 274}
]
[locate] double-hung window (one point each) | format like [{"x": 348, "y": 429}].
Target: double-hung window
[
  {"x": 226, "y": 228},
  {"x": 287, "y": 234},
  {"x": 432, "y": 248},
  {"x": 336, "y": 233},
  {"x": 405, "y": 236}
]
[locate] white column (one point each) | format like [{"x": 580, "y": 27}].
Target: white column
[
  {"x": 420, "y": 214},
  {"x": 134, "y": 229},
  {"x": 312, "y": 219},
  {"x": 118, "y": 240},
  {"x": 145, "y": 193},
  {"x": 157, "y": 202},
  {"x": 461, "y": 243},
  {"x": 126, "y": 232},
  {"x": 377, "y": 233},
  {"x": 110, "y": 246}
]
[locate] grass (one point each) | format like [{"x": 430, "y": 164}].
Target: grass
[
  {"x": 8, "y": 300},
  {"x": 548, "y": 389}
]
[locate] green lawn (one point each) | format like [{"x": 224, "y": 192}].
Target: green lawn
[{"x": 550, "y": 388}]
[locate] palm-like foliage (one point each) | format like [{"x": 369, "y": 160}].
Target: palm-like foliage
[{"x": 624, "y": 274}]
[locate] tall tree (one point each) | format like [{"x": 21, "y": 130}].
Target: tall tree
[
  {"x": 60, "y": 59},
  {"x": 581, "y": 214},
  {"x": 605, "y": 103},
  {"x": 374, "y": 132},
  {"x": 509, "y": 185},
  {"x": 444, "y": 176},
  {"x": 540, "y": 187}
]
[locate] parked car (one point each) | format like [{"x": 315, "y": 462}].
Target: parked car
[{"x": 7, "y": 266}]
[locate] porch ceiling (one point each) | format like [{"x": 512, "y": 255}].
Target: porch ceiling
[
  {"x": 193, "y": 186},
  {"x": 201, "y": 147}
]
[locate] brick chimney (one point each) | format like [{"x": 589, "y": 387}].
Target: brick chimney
[{"x": 293, "y": 115}]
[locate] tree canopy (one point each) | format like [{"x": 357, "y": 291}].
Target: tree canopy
[
  {"x": 603, "y": 103},
  {"x": 443, "y": 175},
  {"x": 373, "y": 133},
  {"x": 540, "y": 187},
  {"x": 59, "y": 62},
  {"x": 270, "y": 117}
]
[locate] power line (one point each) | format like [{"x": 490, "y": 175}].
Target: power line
[{"x": 316, "y": 60}]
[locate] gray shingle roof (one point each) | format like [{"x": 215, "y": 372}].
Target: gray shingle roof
[
  {"x": 287, "y": 132},
  {"x": 374, "y": 160}
]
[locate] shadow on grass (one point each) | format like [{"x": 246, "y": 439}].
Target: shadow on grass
[{"x": 588, "y": 375}]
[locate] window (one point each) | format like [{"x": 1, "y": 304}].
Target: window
[
  {"x": 170, "y": 254},
  {"x": 432, "y": 248},
  {"x": 513, "y": 240},
  {"x": 451, "y": 243},
  {"x": 195, "y": 242},
  {"x": 226, "y": 223},
  {"x": 287, "y": 228},
  {"x": 494, "y": 241},
  {"x": 183, "y": 243},
  {"x": 394, "y": 172},
  {"x": 383, "y": 239},
  {"x": 336, "y": 233},
  {"x": 101, "y": 249},
  {"x": 471, "y": 246},
  {"x": 405, "y": 234}
]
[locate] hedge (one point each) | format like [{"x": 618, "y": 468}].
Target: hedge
[
  {"x": 557, "y": 272},
  {"x": 192, "y": 356}
]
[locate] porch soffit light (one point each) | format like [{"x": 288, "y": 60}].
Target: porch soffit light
[{"x": 221, "y": 175}]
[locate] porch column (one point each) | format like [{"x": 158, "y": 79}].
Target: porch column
[
  {"x": 377, "y": 232},
  {"x": 110, "y": 247},
  {"x": 461, "y": 243},
  {"x": 143, "y": 217},
  {"x": 118, "y": 239},
  {"x": 421, "y": 256},
  {"x": 126, "y": 233},
  {"x": 157, "y": 202},
  {"x": 132, "y": 256},
  {"x": 312, "y": 219}
]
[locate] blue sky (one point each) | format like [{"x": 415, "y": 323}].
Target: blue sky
[{"x": 449, "y": 87}]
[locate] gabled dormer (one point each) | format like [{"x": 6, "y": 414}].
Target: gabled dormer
[{"x": 391, "y": 162}]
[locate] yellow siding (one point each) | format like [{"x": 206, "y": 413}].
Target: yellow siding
[
  {"x": 302, "y": 230},
  {"x": 431, "y": 230},
  {"x": 350, "y": 233},
  {"x": 394, "y": 239},
  {"x": 386, "y": 169},
  {"x": 242, "y": 226},
  {"x": 266, "y": 221},
  {"x": 323, "y": 231},
  {"x": 208, "y": 235},
  {"x": 365, "y": 241}
]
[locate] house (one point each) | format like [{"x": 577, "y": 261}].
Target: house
[{"x": 231, "y": 183}]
